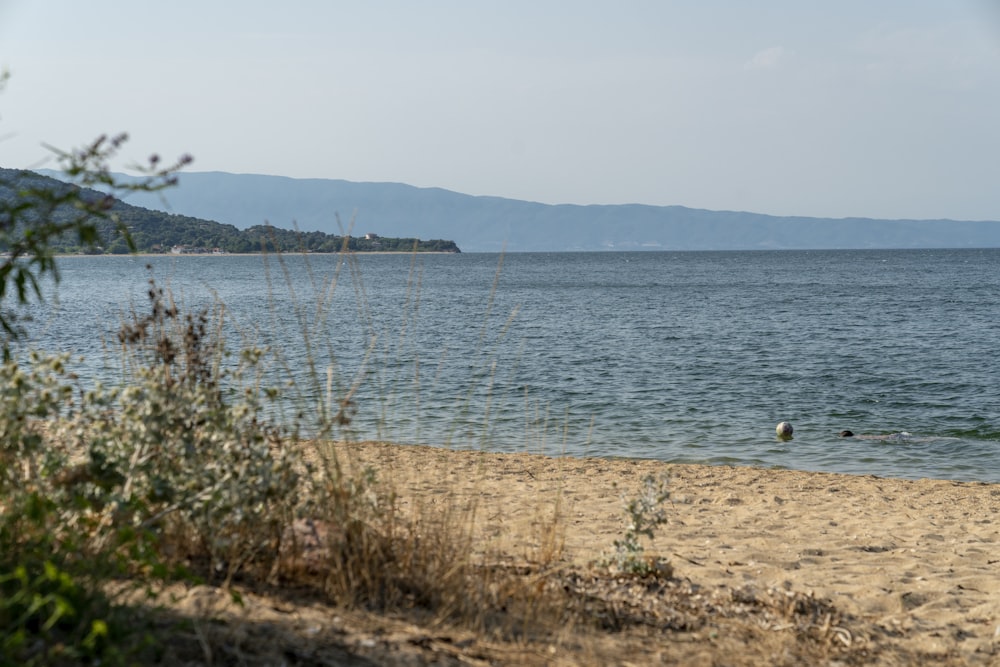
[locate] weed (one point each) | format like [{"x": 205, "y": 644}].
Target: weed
[
  {"x": 645, "y": 514},
  {"x": 49, "y": 617}
]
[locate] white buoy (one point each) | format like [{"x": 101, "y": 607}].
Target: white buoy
[{"x": 784, "y": 430}]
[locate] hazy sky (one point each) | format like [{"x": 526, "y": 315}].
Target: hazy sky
[{"x": 881, "y": 108}]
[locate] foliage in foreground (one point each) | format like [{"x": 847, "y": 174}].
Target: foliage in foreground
[{"x": 145, "y": 480}]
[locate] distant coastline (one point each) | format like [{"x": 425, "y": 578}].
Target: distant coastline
[
  {"x": 257, "y": 254},
  {"x": 497, "y": 224}
]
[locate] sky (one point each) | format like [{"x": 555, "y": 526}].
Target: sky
[{"x": 873, "y": 108}]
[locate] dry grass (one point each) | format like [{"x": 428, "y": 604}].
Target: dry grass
[{"x": 436, "y": 581}]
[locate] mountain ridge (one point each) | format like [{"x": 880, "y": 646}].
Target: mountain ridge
[{"x": 480, "y": 223}]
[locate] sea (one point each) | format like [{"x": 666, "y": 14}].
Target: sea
[{"x": 689, "y": 357}]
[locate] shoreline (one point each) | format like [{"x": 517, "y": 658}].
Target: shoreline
[{"x": 260, "y": 254}]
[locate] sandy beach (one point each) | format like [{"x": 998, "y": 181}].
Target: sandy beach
[
  {"x": 908, "y": 570},
  {"x": 918, "y": 558}
]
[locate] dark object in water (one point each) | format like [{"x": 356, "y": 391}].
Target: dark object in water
[{"x": 902, "y": 436}]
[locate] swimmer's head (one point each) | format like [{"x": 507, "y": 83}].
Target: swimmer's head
[{"x": 846, "y": 434}]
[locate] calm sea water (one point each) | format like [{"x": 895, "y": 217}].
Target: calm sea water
[{"x": 687, "y": 357}]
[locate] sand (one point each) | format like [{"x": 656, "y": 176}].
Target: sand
[
  {"x": 911, "y": 568},
  {"x": 918, "y": 558}
]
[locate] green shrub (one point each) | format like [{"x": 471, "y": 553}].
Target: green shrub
[
  {"x": 46, "y": 617},
  {"x": 645, "y": 514},
  {"x": 174, "y": 467}
]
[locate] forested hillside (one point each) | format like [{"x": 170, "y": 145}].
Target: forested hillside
[{"x": 157, "y": 231}]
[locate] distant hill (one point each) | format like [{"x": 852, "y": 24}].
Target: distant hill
[
  {"x": 154, "y": 230},
  {"x": 491, "y": 223}
]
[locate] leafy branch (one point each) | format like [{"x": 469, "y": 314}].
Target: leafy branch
[{"x": 37, "y": 215}]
